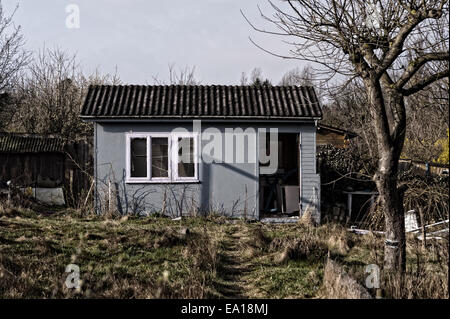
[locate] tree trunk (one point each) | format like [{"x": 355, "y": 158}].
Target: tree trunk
[
  {"x": 392, "y": 203},
  {"x": 389, "y": 149}
]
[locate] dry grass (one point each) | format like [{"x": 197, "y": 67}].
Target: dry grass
[
  {"x": 427, "y": 272},
  {"x": 119, "y": 258},
  {"x": 130, "y": 257},
  {"x": 339, "y": 285}
]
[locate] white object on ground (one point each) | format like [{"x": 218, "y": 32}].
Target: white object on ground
[
  {"x": 411, "y": 221},
  {"x": 364, "y": 231},
  {"x": 52, "y": 196}
]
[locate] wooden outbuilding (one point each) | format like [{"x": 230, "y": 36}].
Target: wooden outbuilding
[{"x": 44, "y": 161}]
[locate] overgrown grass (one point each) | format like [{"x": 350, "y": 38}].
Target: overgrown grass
[
  {"x": 155, "y": 257},
  {"x": 123, "y": 258}
]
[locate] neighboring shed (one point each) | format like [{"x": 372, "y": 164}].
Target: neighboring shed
[
  {"x": 337, "y": 137},
  {"x": 31, "y": 159},
  {"x": 45, "y": 161},
  {"x": 166, "y": 149}
]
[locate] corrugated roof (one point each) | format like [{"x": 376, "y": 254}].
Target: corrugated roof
[
  {"x": 29, "y": 143},
  {"x": 201, "y": 101}
]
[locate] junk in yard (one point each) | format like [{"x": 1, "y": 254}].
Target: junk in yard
[
  {"x": 51, "y": 196},
  {"x": 411, "y": 221},
  {"x": 412, "y": 227},
  {"x": 44, "y": 195}
]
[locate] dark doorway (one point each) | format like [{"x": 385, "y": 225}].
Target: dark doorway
[{"x": 279, "y": 192}]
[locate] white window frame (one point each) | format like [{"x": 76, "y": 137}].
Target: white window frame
[
  {"x": 172, "y": 158},
  {"x": 130, "y": 179},
  {"x": 169, "y": 147},
  {"x": 175, "y": 137}
]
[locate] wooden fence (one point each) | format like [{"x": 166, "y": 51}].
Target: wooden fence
[
  {"x": 78, "y": 171},
  {"x": 421, "y": 168}
]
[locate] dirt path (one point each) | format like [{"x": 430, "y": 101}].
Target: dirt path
[{"x": 234, "y": 265}]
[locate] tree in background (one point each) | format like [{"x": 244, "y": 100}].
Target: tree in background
[
  {"x": 427, "y": 122},
  {"x": 50, "y": 95},
  {"x": 181, "y": 76},
  {"x": 256, "y": 78},
  {"x": 444, "y": 156},
  {"x": 383, "y": 45},
  {"x": 13, "y": 58},
  {"x": 344, "y": 110},
  {"x": 300, "y": 77}
]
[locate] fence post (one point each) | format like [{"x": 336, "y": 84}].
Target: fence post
[
  {"x": 8, "y": 183},
  {"x": 109, "y": 195}
]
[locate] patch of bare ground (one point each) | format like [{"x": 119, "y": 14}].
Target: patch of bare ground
[{"x": 235, "y": 256}]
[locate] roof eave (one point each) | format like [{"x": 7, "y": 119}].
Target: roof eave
[{"x": 190, "y": 118}]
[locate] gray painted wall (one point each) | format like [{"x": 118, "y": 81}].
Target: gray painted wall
[
  {"x": 225, "y": 188},
  {"x": 310, "y": 184}
]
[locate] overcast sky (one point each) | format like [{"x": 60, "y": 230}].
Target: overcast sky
[{"x": 142, "y": 37}]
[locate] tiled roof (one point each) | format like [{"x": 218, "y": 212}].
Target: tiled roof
[
  {"x": 200, "y": 101},
  {"x": 29, "y": 143}
]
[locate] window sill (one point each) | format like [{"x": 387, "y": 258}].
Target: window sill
[{"x": 187, "y": 181}]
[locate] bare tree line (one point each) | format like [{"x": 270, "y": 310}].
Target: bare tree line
[
  {"x": 12, "y": 60},
  {"x": 50, "y": 94},
  {"x": 42, "y": 92}
]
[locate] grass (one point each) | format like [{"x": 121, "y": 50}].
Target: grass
[
  {"x": 211, "y": 257},
  {"x": 117, "y": 258}
]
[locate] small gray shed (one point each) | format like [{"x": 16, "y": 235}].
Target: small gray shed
[{"x": 242, "y": 151}]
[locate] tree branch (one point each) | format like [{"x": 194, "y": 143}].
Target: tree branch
[
  {"x": 396, "y": 47},
  {"x": 415, "y": 66},
  {"x": 425, "y": 82}
]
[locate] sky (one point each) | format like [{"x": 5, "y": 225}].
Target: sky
[{"x": 141, "y": 38}]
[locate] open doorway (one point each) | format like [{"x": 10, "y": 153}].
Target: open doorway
[{"x": 279, "y": 193}]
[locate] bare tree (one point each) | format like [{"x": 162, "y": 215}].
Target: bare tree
[
  {"x": 384, "y": 44},
  {"x": 256, "y": 78},
  {"x": 12, "y": 59},
  {"x": 51, "y": 93},
  {"x": 427, "y": 121},
  {"x": 297, "y": 76},
  {"x": 184, "y": 76},
  {"x": 344, "y": 110}
]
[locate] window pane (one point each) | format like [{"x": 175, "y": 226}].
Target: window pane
[
  {"x": 138, "y": 157},
  {"x": 160, "y": 159},
  {"x": 186, "y": 164}
]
